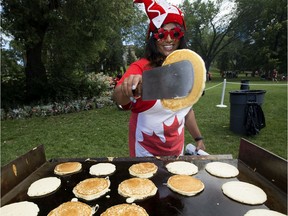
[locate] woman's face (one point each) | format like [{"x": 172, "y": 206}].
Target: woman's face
[{"x": 168, "y": 45}]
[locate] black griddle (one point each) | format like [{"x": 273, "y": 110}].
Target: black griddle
[{"x": 211, "y": 201}]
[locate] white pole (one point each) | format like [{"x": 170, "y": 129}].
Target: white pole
[{"x": 222, "y": 97}]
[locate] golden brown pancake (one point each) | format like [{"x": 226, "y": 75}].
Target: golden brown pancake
[
  {"x": 143, "y": 170},
  {"x": 67, "y": 168},
  {"x": 72, "y": 209},
  {"x": 185, "y": 185},
  {"x": 137, "y": 188},
  {"x": 125, "y": 210},
  {"x": 92, "y": 188},
  {"x": 199, "y": 79}
]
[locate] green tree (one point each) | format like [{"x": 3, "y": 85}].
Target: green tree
[
  {"x": 265, "y": 40},
  {"x": 209, "y": 32},
  {"x": 130, "y": 55},
  {"x": 88, "y": 36},
  {"x": 60, "y": 38},
  {"x": 111, "y": 58},
  {"x": 28, "y": 22},
  {"x": 12, "y": 79},
  {"x": 137, "y": 33},
  {"x": 231, "y": 58}
]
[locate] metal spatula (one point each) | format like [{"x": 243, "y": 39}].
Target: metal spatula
[{"x": 169, "y": 81}]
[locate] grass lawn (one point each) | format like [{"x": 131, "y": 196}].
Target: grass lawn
[{"x": 104, "y": 132}]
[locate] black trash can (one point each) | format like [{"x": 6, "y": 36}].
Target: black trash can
[
  {"x": 238, "y": 105},
  {"x": 244, "y": 85}
]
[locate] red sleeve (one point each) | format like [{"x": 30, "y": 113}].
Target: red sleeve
[{"x": 137, "y": 68}]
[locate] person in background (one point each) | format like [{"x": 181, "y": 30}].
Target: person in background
[
  {"x": 274, "y": 75},
  {"x": 153, "y": 130},
  {"x": 209, "y": 76}
]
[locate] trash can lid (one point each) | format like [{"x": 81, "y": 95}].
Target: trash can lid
[{"x": 244, "y": 92}]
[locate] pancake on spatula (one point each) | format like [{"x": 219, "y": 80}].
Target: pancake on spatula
[
  {"x": 67, "y": 168},
  {"x": 143, "y": 170},
  {"x": 72, "y": 209},
  {"x": 199, "y": 79},
  {"x": 125, "y": 210},
  {"x": 185, "y": 185},
  {"x": 92, "y": 188},
  {"x": 137, "y": 189}
]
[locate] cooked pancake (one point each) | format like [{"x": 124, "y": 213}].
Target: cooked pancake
[
  {"x": 19, "y": 208},
  {"x": 185, "y": 185},
  {"x": 137, "y": 188},
  {"x": 199, "y": 79},
  {"x": 67, "y": 168},
  {"x": 72, "y": 209},
  {"x": 182, "y": 168},
  {"x": 44, "y": 186},
  {"x": 263, "y": 212},
  {"x": 222, "y": 170},
  {"x": 125, "y": 210},
  {"x": 143, "y": 170},
  {"x": 102, "y": 169},
  {"x": 244, "y": 192},
  {"x": 92, "y": 188}
]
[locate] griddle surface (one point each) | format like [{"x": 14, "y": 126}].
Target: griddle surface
[{"x": 211, "y": 201}]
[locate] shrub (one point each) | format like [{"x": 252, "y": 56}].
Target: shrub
[
  {"x": 96, "y": 95},
  {"x": 96, "y": 83}
]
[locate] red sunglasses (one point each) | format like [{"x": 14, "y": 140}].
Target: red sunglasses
[{"x": 174, "y": 33}]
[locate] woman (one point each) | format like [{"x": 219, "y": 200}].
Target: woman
[{"x": 153, "y": 130}]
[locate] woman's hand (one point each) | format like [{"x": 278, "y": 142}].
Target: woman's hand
[
  {"x": 129, "y": 90},
  {"x": 200, "y": 145},
  {"x": 131, "y": 86}
]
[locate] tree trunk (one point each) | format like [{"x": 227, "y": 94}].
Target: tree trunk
[
  {"x": 207, "y": 64},
  {"x": 36, "y": 77}
]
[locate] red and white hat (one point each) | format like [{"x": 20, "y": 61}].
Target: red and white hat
[{"x": 161, "y": 12}]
